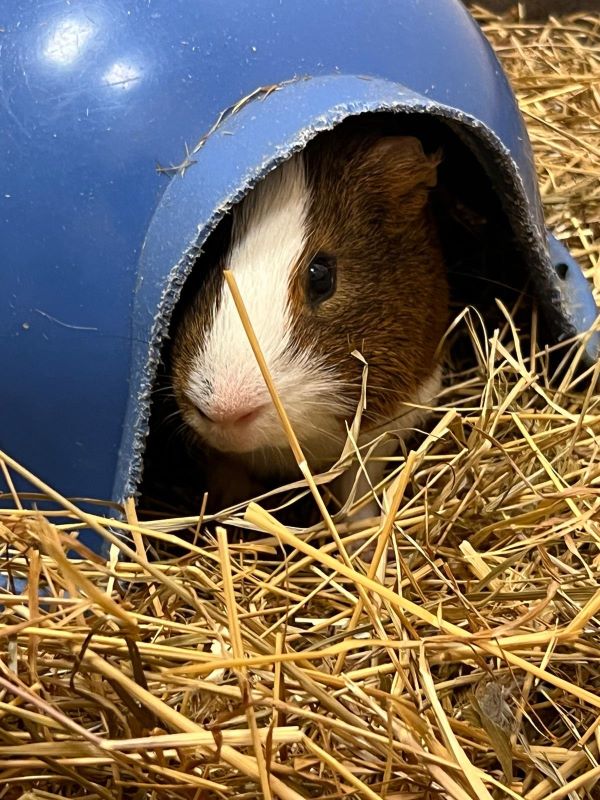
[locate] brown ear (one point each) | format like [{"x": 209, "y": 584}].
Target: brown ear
[{"x": 401, "y": 164}]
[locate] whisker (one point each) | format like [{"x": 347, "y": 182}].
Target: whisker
[
  {"x": 163, "y": 389},
  {"x": 171, "y": 416},
  {"x": 477, "y": 276}
]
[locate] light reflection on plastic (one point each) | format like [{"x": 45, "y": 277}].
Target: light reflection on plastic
[
  {"x": 67, "y": 41},
  {"x": 121, "y": 75}
]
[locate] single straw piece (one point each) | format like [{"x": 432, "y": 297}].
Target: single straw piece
[
  {"x": 285, "y": 421},
  {"x": 258, "y": 354}
]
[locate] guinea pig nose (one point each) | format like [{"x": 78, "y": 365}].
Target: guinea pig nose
[
  {"x": 242, "y": 415},
  {"x": 249, "y": 416}
]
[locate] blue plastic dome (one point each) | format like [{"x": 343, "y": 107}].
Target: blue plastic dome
[{"x": 96, "y": 240}]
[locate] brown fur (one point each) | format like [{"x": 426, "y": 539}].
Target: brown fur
[{"x": 370, "y": 210}]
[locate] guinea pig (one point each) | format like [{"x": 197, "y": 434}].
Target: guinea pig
[{"x": 335, "y": 251}]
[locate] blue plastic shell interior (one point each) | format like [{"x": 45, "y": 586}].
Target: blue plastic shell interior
[{"x": 95, "y": 242}]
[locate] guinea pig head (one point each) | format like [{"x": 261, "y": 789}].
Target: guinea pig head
[{"x": 335, "y": 251}]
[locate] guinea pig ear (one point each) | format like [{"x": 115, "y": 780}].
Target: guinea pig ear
[{"x": 403, "y": 164}]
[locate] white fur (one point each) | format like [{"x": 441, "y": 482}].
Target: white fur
[
  {"x": 268, "y": 239},
  {"x": 269, "y": 236}
]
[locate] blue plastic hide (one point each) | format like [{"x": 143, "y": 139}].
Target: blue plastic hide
[{"x": 95, "y": 243}]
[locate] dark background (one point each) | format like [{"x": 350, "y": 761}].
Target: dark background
[{"x": 538, "y": 9}]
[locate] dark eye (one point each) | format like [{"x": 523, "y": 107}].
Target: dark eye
[{"x": 321, "y": 278}]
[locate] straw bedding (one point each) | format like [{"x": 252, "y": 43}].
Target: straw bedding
[{"x": 464, "y": 662}]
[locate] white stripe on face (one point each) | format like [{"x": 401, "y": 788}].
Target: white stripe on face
[{"x": 269, "y": 235}]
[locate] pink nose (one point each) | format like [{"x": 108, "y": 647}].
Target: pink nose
[{"x": 232, "y": 416}]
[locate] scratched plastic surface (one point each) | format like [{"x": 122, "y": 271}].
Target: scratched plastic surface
[{"x": 93, "y": 96}]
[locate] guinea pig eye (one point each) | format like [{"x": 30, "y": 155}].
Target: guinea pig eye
[{"x": 321, "y": 278}]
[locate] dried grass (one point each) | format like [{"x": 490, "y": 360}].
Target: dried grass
[{"x": 464, "y": 662}]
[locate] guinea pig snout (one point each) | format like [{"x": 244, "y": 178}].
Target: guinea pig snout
[{"x": 230, "y": 415}]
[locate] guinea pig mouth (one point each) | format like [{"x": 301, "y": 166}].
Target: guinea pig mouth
[{"x": 253, "y": 430}]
